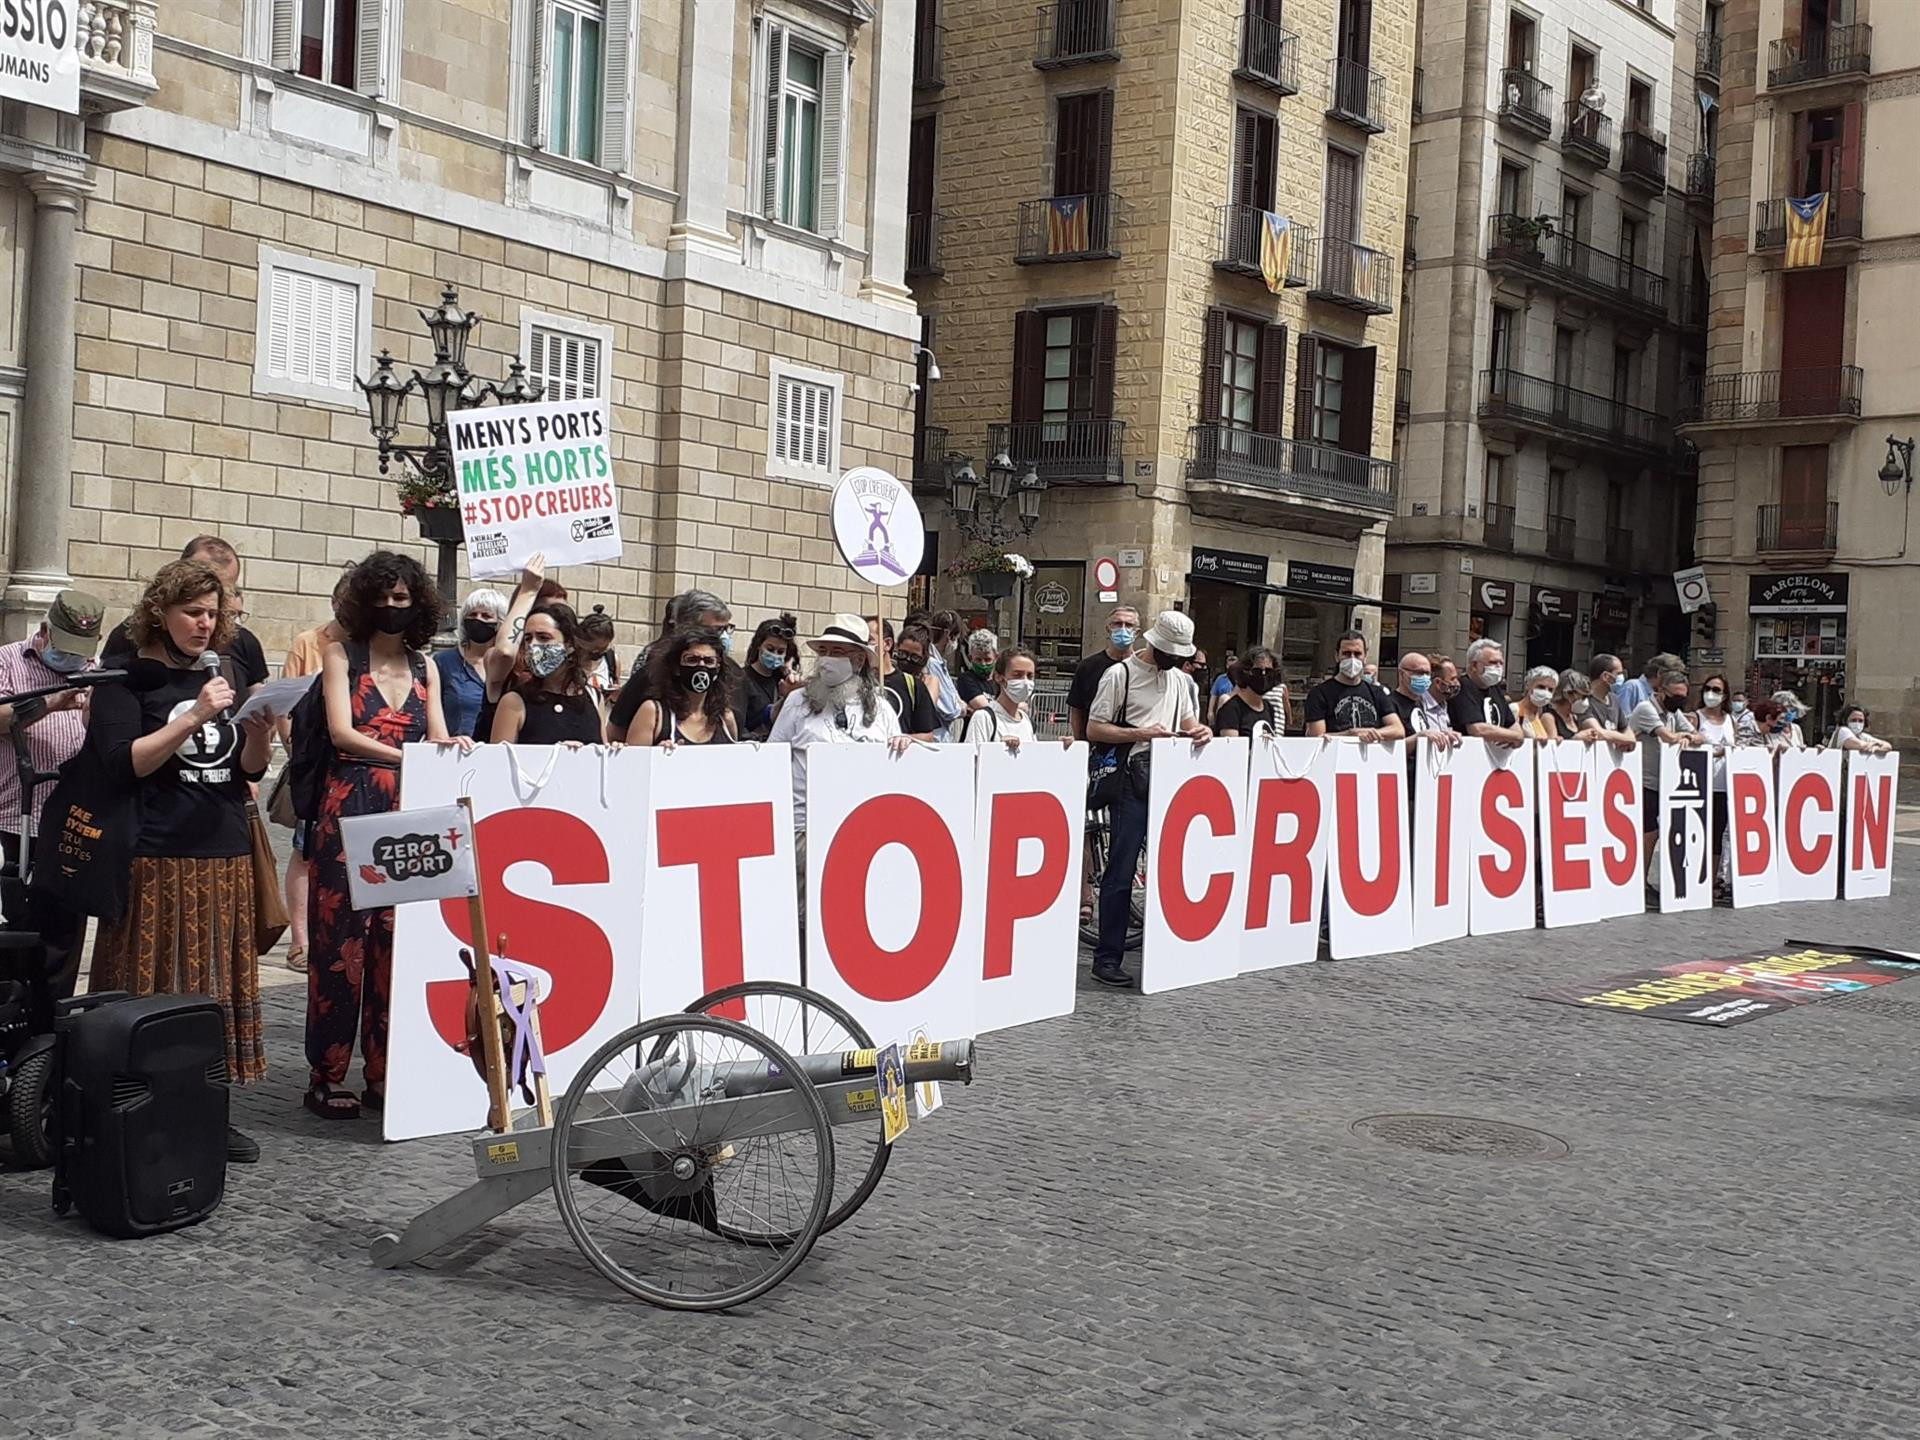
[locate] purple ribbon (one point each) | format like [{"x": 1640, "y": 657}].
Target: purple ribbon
[{"x": 527, "y": 1060}]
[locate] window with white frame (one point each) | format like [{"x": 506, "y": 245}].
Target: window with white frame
[
  {"x": 804, "y": 443},
  {"x": 580, "y": 79},
  {"x": 314, "y": 328},
  {"x": 568, "y": 357},
  {"x": 803, "y": 129},
  {"x": 337, "y": 42}
]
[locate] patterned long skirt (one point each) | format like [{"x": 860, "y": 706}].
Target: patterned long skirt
[{"x": 188, "y": 930}]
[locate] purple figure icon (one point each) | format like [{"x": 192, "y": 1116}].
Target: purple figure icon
[{"x": 877, "y": 512}]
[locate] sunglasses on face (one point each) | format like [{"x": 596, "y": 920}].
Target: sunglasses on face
[{"x": 699, "y": 662}]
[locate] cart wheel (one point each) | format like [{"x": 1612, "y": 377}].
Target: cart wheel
[
  {"x": 725, "y": 1214},
  {"x": 30, "y": 1110},
  {"x": 384, "y": 1244},
  {"x": 808, "y": 1023}
]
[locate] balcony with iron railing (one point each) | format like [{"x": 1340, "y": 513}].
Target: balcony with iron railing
[
  {"x": 1402, "y": 396},
  {"x": 1560, "y": 537},
  {"x": 1588, "y": 134},
  {"x": 1357, "y": 95},
  {"x": 1835, "y": 53},
  {"x": 1619, "y": 552},
  {"x": 929, "y": 57},
  {"x": 923, "y": 242},
  {"x": 1701, "y": 172},
  {"x": 1707, "y": 47},
  {"x": 1534, "y": 402},
  {"x": 115, "y": 41},
  {"x": 1231, "y": 456},
  {"x": 1823, "y": 392},
  {"x": 1353, "y": 276},
  {"x": 1496, "y": 527},
  {"x": 1526, "y": 103},
  {"x": 1845, "y": 209},
  {"x": 1269, "y": 55},
  {"x": 1067, "y": 227},
  {"x": 930, "y": 459},
  {"x": 1075, "y": 32},
  {"x": 1525, "y": 244},
  {"x": 1242, "y": 231},
  {"x": 1690, "y": 308},
  {"x": 1065, "y": 452},
  {"x": 1643, "y": 158},
  {"x": 1797, "y": 528}
]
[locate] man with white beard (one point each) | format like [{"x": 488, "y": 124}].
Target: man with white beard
[{"x": 840, "y": 704}]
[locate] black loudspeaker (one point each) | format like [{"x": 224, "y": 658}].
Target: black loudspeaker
[{"x": 140, "y": 1123}]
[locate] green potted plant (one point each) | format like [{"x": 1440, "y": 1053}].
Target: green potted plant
[
  {"x": 1522, "y": 234},
  {"x": 431, "y": 501},
  {"x": 991, "y": 569}
]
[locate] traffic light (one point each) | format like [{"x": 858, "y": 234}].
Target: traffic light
[{"x": 1706, "y": 626}]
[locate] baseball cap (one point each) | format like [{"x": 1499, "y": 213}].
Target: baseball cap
[{"x": 73, "y": 622}]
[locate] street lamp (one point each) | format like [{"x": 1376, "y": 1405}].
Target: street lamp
[
  {"x": 1899, "y": 466},
  {"x": 989, "y": 525},
  {"x": 427, "y": 487}
]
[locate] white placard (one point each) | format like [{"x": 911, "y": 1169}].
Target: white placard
[
  {"x": 40, "y": 58},
  {"x": 277, "y": 696},
  {"x": 561, "y": 848},
  {"x": 1196, "y": 863},
  {"x": 1619, "y": 859},
  {"x": 1868, "y": 819},
  {"x": 1289, "y": 810},
  {"x": 1685, "y": 854},
  {"x": 1370, "y": 893},
  {"x": 877, "y": 525},
  {"x": 1808, "y": 828},
  {"x": 889, "y": 934},
  {"x": 1030, "y": 822},
  {"x": 1446, "y": 805},
  {"x": 720, "y": 900},
  {"x": 407, "y": 855},
  {"x": 1752, "y": 837},
  {"x": 536, "y": 479},
  {"x": 1570, "y": 892},
  {"x": 1504, "y": 858}
]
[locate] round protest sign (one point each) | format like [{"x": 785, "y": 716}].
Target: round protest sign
[{"x": 877, "y": 526}]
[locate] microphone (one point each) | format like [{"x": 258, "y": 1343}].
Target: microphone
[{"x": 210, "y": 663}]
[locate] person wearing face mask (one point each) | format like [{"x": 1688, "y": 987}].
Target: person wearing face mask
[
  {"x": 1717, "y": 731},
  {"x": 596, "y": 648},
  {"x": 1746, "y": 727},
  {"x": 1006, "y": 718},
  {"x": 1249, "y": 704},
  {"x": 381, "y": 695},
  {"x": 1851, "y": 733},
  {"x": 1350, "y": 703},
  {"x": 907, "y": 690},
  {"x": 771, "y": 675},
  {"x": 687, "y": 696},
  {"x": 839, "y": 704},
  {"x": 1573, "y": 708},
  {"x": 1663, "y": 718},
  {"x": 1423, "y": 714},
  {"x": 687, "y": 609},
  {"x": 1123, "y": 624},
  {"x": 1787, "y": 734},
  {"x": 1534, "y": 713},
  {"x": 973, "y": 684},
  {"x": 48, "y": 732},
  {"x": 553, "y": 705},
  {"x": 1480, "y": 709},
  {"x": 946, "y": 662},
  {"x": 463, "y": 668}
]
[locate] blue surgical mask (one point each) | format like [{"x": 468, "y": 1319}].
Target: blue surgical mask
[
  {"x": 772, "y": 661},
  {"x": 726, "y": 642},
  {"x": 1122, "y": 636},
  {"x": 61, "y": 662},
  {"x": 1420, "y": 684}
]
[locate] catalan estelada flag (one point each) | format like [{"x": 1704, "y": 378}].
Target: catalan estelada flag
[
  {"x": 1807, "y": 230},
  {"x": 1067, "y": 232},
  {"x": 1276, "y": 249}
]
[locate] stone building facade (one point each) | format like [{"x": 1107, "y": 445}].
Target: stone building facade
[
  {"x": 1806, "y": 523},
  {"x": 1553, "y": 313},
  {"x": 696, "y": 211},
  {"x": 1087, "y": 192}
]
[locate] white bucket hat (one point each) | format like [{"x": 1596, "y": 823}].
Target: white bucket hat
[
  {"x": 1172, "y": 634},
  {"x": 844, "y": 630}
]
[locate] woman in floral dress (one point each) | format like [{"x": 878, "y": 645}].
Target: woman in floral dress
[{"x": 381, "y": 694}]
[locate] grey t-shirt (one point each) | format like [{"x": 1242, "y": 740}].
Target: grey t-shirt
[
  {"x": 1646, "y": 718},
  {"x": 1606, "y": 713}
]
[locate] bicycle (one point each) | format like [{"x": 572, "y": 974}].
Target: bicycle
[{"x": 1099, "y": 833}]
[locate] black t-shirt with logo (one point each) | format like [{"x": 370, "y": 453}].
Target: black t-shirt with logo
[
  {"x": 194, "y": 805},
  {"x": 1474, "y": 706},
  {"x": 1347, "y": 708},
  {"x": 1236, "y": 715}
]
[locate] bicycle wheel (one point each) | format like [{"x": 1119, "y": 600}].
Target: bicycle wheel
[
  {"x": 808, "y": 1023},
  {"x": 694, "y": 1210},
  {"x": 1098, "y": 835}
]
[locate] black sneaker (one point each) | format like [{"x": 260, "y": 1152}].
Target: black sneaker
[
  {"x": 1114, "y": 976},
  {"x": 241, "y": 1149}
]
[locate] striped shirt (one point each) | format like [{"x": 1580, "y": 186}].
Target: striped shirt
[{"x": 51, "y": 740}]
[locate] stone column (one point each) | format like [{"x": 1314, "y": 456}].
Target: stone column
[
  {"x": 703, "y": 152},
  {"x": 889, "y": 129},
  {"x": 43, "y": 458}
]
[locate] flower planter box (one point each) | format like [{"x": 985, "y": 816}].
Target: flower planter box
[
  {"x": 993, "y": 584},
  {"x": 440, "y": 523}
]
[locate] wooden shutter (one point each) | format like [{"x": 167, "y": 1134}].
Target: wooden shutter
[
  {"x": 1849, "y": 177},
  {"x": 1213, "y": 346},
  {"x": 833, "y": 141},
  {"x": 540, "y": 21},
  {"x": 616, "y": 104},
  {"x": 1356, "y": 403},
  {"x": 1307, "y": 359},
  {"x": 1343, "y": 197},
  {"x": 1029, "y": 365},
  {"x": 1072, "y": 145},
  {"x": 1356, "y": 31},
  {"x": 284, "y": 40},
  {"x": 770, "y": 142},
  {"x": 921, "y": 143},
  {"x": 1269, "y": 407},
  {"x": 1102, "y": 117},
  {"x": 1803, "y": 484},
  {"x": 1813, "y": 309},
  {"x": 370, "y": 48},
  {"x": 1245, "y": 128},
  {"x": 1106, "y": 337}
]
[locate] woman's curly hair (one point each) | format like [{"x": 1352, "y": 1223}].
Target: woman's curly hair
[
  {"x": 369, "y": 583},
  {"x": 175, "y": 583},
  {"x": 665, "y": 685}
]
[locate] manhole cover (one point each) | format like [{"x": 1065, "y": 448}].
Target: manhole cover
[{"x": 1462, "y": 1135}]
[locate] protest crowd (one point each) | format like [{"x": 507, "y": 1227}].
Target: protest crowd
[{"x": 175, "y": 756}]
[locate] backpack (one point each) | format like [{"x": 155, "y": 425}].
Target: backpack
[{"x": 310, "y": 744}]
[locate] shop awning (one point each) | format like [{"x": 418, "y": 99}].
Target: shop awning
[{"x": 1294, "y": 592}]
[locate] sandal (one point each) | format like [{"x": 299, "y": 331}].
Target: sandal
[
  {"x": 373, "y": 1102},
  {"x": 297, "y": 959},
  {"x": 331, "y": 1104}
]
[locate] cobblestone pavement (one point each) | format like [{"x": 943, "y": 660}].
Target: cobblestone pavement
[{"x": 1148, "y": 1219}]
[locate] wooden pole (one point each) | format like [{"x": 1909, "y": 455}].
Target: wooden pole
[
  {"x": 880, "y": 627},
  {"x": 486, "y": 996}
]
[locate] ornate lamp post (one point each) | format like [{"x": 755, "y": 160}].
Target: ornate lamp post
[
  {"x": 990, "y": 527},
  {"x": 427, "y": 488}
]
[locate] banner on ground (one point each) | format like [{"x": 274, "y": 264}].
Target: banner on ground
[
  {"x": 941, "y": 888},
  {"x": 1738, "y": 989},
  {"x": 535, "y": 479}
]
